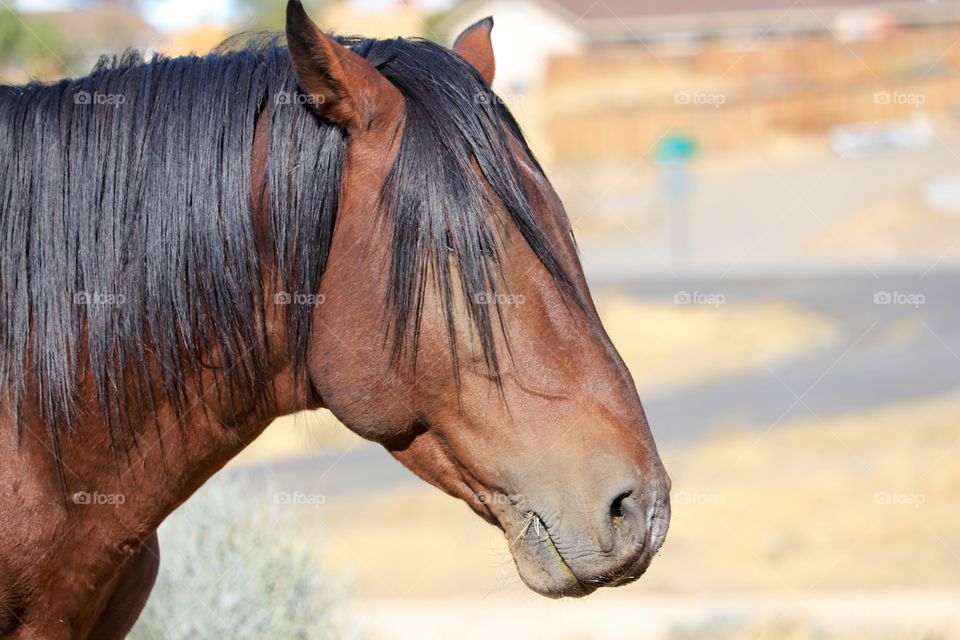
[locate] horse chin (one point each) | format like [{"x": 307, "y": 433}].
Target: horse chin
[
  {"x": 540, "y": 564},
  {"x": 550, "y": 577},
  {"x": 545, "y": 572}
]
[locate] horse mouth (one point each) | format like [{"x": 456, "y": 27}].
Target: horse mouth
[
  {"x": 540, "y": 563},
  {"x": 544, "y": 569}
]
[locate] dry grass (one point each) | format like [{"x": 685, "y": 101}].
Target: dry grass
[
  {"x": 867, "y": 500},
  {"x": 668, "y": 345},
  {"x": 863, "y": 501}
]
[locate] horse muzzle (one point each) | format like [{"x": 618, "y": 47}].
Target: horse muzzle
[{"x": 568, "y": 555}]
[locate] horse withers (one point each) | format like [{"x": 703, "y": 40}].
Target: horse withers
[{"x": 192, "y": 247}]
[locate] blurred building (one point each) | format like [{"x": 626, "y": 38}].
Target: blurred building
[
  {"x": 605, "y": 81},
  {"x": 530, "y": 32}
]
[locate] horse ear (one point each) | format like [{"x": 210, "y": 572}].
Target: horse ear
[
  {"x": 474, "y": 46},
  {"x": 340, "y": 85}
]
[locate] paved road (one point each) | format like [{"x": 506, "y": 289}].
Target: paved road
[{"x": 883, "y": 354}]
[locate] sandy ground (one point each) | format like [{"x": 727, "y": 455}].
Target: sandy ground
[
  {"x": 856, "y": 502},
  {"x": 846, "y": 528},
  {"x": 863, "y": 500}
]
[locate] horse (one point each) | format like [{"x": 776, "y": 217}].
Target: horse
[{"x": 195, "y": 246}]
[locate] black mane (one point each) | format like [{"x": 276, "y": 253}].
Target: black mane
[{"x": 126, "y": 236}]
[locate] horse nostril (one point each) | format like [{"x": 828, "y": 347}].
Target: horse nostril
[
  {"x": 631, "y": 521},
  {"x": 617, "y": 506},
  {"x": 625, "y": 530}
]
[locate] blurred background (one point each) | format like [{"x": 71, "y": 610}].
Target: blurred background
[{"x": 766, "y": 195}]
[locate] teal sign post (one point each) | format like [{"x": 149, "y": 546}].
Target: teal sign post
[{"x": 675, "y": 154}]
